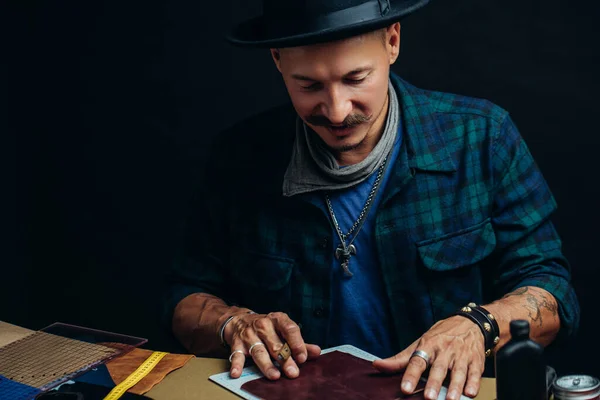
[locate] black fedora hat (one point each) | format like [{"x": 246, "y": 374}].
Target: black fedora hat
[{"x": 289, "y": 23}]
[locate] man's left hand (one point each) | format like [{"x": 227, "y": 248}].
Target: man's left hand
[{"x": 454, "y": 345}]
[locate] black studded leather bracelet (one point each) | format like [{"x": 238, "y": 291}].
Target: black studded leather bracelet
[{"x": 486, "y": 322}]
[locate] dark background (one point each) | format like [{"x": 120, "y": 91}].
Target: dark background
[{"x": 107, "y": 108}]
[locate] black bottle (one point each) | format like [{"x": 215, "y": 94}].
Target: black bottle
[{"x": 520, "y": 366}]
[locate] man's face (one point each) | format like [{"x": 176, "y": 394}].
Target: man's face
[{"x": 340, "y": 88}]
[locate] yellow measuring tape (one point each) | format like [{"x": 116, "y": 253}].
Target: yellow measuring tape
[{"x": 136, "y": 376}]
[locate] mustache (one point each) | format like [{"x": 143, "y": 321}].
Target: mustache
[{"x": 350, "y": 121}]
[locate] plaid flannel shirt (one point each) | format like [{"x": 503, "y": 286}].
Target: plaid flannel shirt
[{"x": 464, "y": 217}]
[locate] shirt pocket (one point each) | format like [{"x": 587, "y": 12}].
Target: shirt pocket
[
  {"x": 452, "y": 267},
  {"x": 262, "y": 281}
]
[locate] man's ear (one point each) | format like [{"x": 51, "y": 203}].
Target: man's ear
[
  {"x": 276, "y": 58},
  {"x": 393, "y": 41}
]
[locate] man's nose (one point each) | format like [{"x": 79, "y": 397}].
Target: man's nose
[{"x": 338, "y": 106}]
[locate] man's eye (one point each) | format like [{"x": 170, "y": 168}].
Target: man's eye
[
  {"x": 314, "y": 86},
  {"x": 355, "y": 81}
]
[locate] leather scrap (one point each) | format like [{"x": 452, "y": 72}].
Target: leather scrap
[{"x": 121, "y": 367}]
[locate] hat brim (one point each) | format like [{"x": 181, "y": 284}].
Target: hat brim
[{"x": 251, "y": 33}]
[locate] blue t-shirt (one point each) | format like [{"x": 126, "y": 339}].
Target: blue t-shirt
[{"x": 360, "y": 313}]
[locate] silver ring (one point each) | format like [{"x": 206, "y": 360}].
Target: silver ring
[
  {"x": 421, "y": 354},
  {"x": 235, "y": 351},
  {"x": 255, "y": 344}
]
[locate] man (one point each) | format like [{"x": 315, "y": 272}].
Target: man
[{"x": 370, "y": 213}]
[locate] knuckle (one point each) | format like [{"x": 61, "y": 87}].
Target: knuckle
[
  {"x": 417, "y": 362},
  {"x": 474, "y": 375},
  {"x": 261, "y": 323},
  {"x": 237, "y": 362},
  {"x": 459, "y": 372},
  {"x": 411, "y": 376},
  {"x": 438, "y": 369},
  {"x": 244, "y": 334},
  {"x": 473, "y": 379},
  {"x": 259, "y": 351},
  {"x": 292, "y": 328},
  {"x": 425, "y": 340},
  {"x": 297, "y": 347},
  {"x": 475, "y": 370},
  {"x": 277, "y": 315}
]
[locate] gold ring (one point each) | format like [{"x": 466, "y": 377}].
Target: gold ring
[{"x": 284, "y": 353}]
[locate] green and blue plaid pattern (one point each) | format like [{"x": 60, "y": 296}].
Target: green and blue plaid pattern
[{"x": 464, "y": 217}]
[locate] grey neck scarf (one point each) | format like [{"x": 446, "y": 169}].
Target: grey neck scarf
[{"x": 313, "y": 167}]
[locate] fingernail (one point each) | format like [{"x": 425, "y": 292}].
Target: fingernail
[
  {"x": 273, "y": 374},
  {"x": 292, "y": 371},
  {"x": 453, "y": 394},
  {"x": 407, "y": 386},
  {"x": 234, "y": 371},
  {"x": 302, "y": 357},
  {"x": 470, "y": 391},
  {"x": 431, "y": 394}
]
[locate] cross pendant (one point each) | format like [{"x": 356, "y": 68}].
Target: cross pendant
[{"x": 343, "y": 254}]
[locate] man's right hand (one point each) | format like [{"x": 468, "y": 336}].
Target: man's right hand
[{"x": 267, "y": 333}]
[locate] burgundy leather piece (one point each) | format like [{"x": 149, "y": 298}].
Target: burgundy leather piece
[{"x": 335, "y": 375}]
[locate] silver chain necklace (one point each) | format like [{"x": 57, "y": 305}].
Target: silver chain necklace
[{"x": 344, "y": 251}]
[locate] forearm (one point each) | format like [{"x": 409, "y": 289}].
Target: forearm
[
  {"x": 533, "y": 304},
  {"x": 197, "y": 320}
]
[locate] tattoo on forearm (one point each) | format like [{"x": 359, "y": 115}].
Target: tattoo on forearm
[
  {"x": 534, "y": 309},
  {"x": 549, "y": 305},
  {"x": 535, "y": 303}
]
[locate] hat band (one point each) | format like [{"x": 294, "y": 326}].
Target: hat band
[{"x": 296, "y": 24}]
